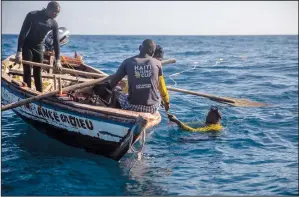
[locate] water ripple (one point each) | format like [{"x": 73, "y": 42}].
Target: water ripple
[{"x": 255, "y": 154}]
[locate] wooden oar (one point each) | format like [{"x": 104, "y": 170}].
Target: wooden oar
[
  {"x": 169, "y": 61},
  {"x": 51, "y": 76},
  {"x": 163, "y": 62},
  {"x": 53, "y": 93},
  {"x": 76, "y": 72},
  {"x": 63, "y": 70},
  {"x": 227, "y": 100}
]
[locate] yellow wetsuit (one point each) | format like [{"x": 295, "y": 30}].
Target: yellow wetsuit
[{"x": 211, "y": 127}]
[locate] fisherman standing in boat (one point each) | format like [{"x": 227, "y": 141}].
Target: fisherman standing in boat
[
  {"x": 31, "y": 41},
  {"x": 145, "y": 79}
]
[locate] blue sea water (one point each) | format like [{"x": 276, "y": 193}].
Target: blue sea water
[{"x": 255, "y": 154}]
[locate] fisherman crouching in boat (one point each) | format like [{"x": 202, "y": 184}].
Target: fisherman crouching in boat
[
  {"x": 145, "y": 81},
  {"x": 212, "y": 123},
  {"x": 31, "y": 41}
]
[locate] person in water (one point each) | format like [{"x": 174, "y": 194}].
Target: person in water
[
  {"x": 212, "y": 123},
  {"x": 31, "y": 41},
  {"x": 145, "y": 81}
]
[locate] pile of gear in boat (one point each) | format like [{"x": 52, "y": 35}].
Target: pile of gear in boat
[{"x": 99, "y": 95}]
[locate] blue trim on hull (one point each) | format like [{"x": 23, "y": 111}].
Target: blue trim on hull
[
  {"x": 77, "y": 140},
  {"x": 5, "y": 85}
]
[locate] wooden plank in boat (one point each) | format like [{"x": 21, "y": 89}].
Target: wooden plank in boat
[
  {"x": 51, "y": 76},
  {"x": 63, "y": 70}
]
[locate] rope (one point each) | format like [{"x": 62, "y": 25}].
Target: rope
[
  {"x": 70, "y": 67},
  {"x": 140, "y": 151},
  {"x": 178, "y": 73},
  {"x": 194, "y": 67}
]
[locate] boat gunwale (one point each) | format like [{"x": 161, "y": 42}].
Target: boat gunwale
[
  {"x": 118, "y": 116},
  {"x": 101, "y": 111}
]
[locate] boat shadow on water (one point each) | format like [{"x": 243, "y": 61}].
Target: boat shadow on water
[
  {"x": 40, "y": 140},
  {"x": 39, "y": 145}
]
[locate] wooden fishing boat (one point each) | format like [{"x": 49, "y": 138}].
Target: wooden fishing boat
[{"x": 94, "y": 127}]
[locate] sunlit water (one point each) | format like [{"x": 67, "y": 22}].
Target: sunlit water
[{"x": 255, "y": 154}]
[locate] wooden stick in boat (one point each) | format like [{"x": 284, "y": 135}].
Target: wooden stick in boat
[
  {"x": 82, "y": 73},
  {"x": 51, "y": 63},
  {"x": 60, "y": 86},
  {"x": 101, "y": 72},
  {"x": 64, "y": 70},
  {"x": 53, "y": 93},
  {"x": 51, "y": 76},
  {"x": 55, "y": 85}
]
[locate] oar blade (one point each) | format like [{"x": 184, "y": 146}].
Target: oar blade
[
  {"x": 248, "y": 103},
  {"x": 242, "y": 102},
  {"x": 226, "y": 100}
]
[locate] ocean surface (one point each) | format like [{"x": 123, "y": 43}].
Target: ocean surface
[{"x": 255, "y": 154}]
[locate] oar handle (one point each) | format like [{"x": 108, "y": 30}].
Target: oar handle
[
  {"x": 169, "y": 61},
  {"x": 215, "y": 98}
]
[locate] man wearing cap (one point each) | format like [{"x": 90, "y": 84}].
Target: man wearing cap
[
  {"x": 31, "y": 41},
  {"x": 145, "y": 79}
]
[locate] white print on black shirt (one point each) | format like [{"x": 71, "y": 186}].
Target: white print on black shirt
[
  {"x": 141, "y": 86},
  {"x": 143, "y": 71}
]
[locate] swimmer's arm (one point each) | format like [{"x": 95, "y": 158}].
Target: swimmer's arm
[
  {"x": 213, "y": 127},
  {"x": 187, "y": 128},
  {"x": 184, "y": 126}
]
